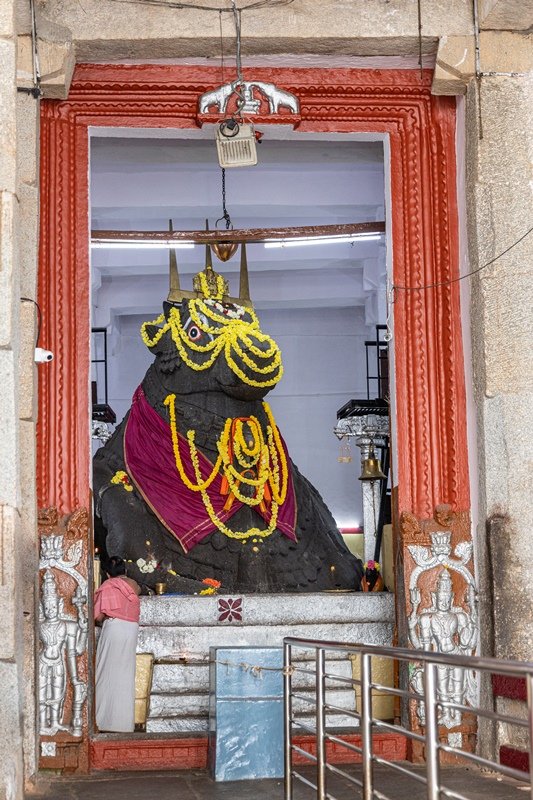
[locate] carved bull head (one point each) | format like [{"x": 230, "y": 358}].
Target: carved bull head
[{"x": 206, "y": 341}]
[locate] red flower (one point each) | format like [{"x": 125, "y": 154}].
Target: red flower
[{"x": 212, "y": 582}]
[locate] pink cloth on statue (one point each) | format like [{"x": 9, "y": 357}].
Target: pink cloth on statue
[
  {"x": 151, "y": 466},
  {"x": 116, "y": 599}
]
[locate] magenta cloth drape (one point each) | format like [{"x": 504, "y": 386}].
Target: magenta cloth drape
[{"x": 151, "y": 465}]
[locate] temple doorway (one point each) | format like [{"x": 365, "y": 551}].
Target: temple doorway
[
  {"x": 388, "y": 110},
  {"x": 324, "y": 303}
]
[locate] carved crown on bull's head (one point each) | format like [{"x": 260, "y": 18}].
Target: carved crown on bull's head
[{"x": 209, "y": 283}]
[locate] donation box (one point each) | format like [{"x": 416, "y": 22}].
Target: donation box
[{"x": 246, "y": 713}]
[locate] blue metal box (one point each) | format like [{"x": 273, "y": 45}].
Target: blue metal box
[{"x": 246, "y": 713}]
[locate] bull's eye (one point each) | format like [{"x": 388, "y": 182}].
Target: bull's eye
[{"x": 194, "y": 333}]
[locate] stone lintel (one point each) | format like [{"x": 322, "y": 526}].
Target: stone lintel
[
  {"x": 56, "y": 62},
  {"x": 500, "y": 52},
  {"x": 507, "y": 15}
]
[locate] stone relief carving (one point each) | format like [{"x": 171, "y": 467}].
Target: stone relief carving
[
  {"x": 62, "y": 638},
  {"x": 446, "y": 626},
  {"x": 277, "y": 98}
]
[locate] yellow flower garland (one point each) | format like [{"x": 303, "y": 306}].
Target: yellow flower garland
[
  {"x": 267, "y": 455},
  {"x": 121, "y": 478},
  {"x": 232, "y": 335},
  {"x": 170, "y": 402}
]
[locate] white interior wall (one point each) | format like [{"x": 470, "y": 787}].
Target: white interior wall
[{"x": 319, "y": 303}]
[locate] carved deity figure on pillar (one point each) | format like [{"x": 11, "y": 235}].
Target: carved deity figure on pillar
[
  {"x": 444, "y": 627},
  {"x": 62, "y": 639}
]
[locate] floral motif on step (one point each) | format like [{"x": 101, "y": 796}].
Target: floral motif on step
[{"x": 230, "y": 609}]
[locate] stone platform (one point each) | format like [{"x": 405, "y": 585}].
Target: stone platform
[{"x": 179, "y": 630}]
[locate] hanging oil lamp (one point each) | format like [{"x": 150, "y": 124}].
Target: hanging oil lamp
[{"x": 345, "y": 453}]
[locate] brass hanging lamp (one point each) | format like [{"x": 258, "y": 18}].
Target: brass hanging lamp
[{"x": 371, "y": 467}]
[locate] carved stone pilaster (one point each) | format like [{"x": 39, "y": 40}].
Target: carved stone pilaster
[
  {"x": 442, "y": 613},
  {"x": 62, "y": 640}
]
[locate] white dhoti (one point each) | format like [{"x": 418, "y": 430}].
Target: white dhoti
[{"x": 115, "y": 676}]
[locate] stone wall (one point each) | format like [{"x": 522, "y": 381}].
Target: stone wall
[
  {"x": 18, "y": 538},
  {"x": 499, "y": 212},
  {"x": 499, "y": 196}
]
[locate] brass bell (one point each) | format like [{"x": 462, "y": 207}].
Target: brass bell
[
  {"x": 371, "y": 469},
  {"x": 224, "y": 250}
]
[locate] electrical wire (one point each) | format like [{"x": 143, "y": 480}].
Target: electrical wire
[
  {"x": 174, "y": 4},
  {"x": 237, "y": 21},
  {"x": 35, "y": 90},
  {"x": 467, "y": 275},
  {"x": 419, "y": 13},
  {"x": 39, "y": 318},
  {"x": 221, "y": 48}
]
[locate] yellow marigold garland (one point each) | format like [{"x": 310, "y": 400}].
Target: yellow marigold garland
[
  {"x": 267, "y": 455},
  {"x": 121, "y": 478},
  {"x": 232, "y": 336},
  {"x": 202, "y": 485}
]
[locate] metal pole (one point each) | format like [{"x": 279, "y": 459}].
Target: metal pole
[
  {"x": 366, "y": 725},
  {"x": 529, "y": 683},
  {"x": 320, "y": 724},
  {"x": 432, "y": 731},
  {"x": 287, "y": 716}
]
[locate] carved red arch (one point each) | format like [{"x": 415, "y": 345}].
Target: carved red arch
[{"x": 430, "y": 394}]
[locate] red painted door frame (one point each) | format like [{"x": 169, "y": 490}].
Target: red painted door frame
[{"x": 432, "y": 457}]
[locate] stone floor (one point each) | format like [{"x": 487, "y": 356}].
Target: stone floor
[{"x": 197, "y": 785}]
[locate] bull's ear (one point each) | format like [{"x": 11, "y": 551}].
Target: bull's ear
[
  {"x": 165, "y": 350},
  {"x": 168, "y": 305},
  {"x": 151, "y": 331},
  {"x": 164, "y": 344}
]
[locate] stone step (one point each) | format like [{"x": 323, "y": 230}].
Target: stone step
[
  {"x": 167, "y": 706},
  {"x": 194, "y": 643},
  {"x": 322, "y": 609},
  {"x": 170, "y": 678},
  {"x": 199, "y": 725},
  {"x": 182, "y": 630}
]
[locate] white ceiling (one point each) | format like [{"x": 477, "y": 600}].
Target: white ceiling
[{"x": 140, "y": 183}]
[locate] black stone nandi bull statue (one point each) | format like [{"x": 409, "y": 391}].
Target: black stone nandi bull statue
[{"x": 196, "y": 486}]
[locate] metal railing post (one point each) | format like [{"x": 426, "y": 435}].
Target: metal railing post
[
  {"x": 529, "y": 683},
  {"x": 320, "y": 724},
  {"x": 432, "y": 731},
  {"x": 366, "y": 725},
  {"x": 287, "y": 716}
]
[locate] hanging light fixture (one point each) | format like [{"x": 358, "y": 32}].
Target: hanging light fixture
[{"x": 236, "y": 140}]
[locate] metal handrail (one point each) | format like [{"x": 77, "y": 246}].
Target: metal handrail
[{"x": 430, "y": 661}]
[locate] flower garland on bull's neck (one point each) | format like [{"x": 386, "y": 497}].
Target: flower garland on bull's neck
[
  {"x": 260, "y": 465},
  {"x": 231, "y": 334}
]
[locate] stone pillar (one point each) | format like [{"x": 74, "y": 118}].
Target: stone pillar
[
  {"x": 499, "y": 203},
  {"x": 11, "y": 639},
  {"x": 370, "y": 432}
]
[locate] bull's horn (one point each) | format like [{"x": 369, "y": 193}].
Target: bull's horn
[
  {"x": 173, "y": 274},
  {"x": 244, "y": 287}
]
